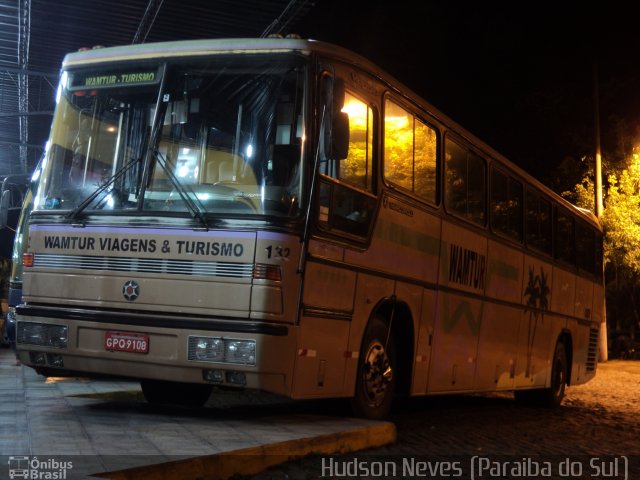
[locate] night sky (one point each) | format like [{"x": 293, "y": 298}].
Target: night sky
[{"x": 519, "y": 75}]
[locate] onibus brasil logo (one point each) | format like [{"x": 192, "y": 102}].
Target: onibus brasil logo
[{"x": 32, "y": 468}]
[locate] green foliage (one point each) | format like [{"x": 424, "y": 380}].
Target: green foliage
[
  {"x": 621, "y": 225},
  {"x": 621, "y": 215},
  {"x": 621, "y": 218}
]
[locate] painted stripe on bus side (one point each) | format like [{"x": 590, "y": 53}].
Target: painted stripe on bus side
[
  {"x": 407, "y": 237},
  {"x": 443, "y": 288},
  {"x": 503, "y": 269}
]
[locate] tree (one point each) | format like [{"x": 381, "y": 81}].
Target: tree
[{"x": 621, "y": 225}]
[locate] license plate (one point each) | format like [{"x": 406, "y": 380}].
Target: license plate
[{"x": 126, "y": 342}]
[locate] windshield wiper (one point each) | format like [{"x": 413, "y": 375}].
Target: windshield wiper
[
  {"x": 87, "y": 201},
  {"x": 194, "y": 208}
]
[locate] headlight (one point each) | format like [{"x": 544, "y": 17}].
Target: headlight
[
  {"x": 209, "y": 349},
  {"x": 240, "y": 351},
  {"x": 42, "y": 334},
  {"x": 222, "y": 350}
]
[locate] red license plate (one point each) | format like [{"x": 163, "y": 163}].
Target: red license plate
[{"x": 126, "y": 342}]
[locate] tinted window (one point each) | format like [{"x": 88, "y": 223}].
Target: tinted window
[
  {"x": 506, "y": 205},
  {"x": 464, "y": 182},
  {"x": 538, "y": 231},
  {"x": 410, "y": 152},
  {"x": 564, "y": 238},
  {"x": 356, "y": 168},
  {"x": 585, "y": 248}
]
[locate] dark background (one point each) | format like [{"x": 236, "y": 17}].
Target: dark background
[{"x": 519, "y": 75}]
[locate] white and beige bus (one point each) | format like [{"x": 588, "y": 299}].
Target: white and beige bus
[{"x": 280, "y": 214}]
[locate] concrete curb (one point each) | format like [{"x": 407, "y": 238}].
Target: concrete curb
[{"x": 253, "y": 460}]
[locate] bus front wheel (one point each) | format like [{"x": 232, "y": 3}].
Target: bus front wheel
[
  {"x": 553, "y": 395},
  {"x": 174, "y": 393},
  {"x": 375, "y": 378}
]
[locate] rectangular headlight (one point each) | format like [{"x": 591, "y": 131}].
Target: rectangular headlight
[
  {"x": 240, "y": 351},
  {"x": 42, "y": 334},
  {"x": 206, "y": 349},
  {"x": 222, "y": 350}
]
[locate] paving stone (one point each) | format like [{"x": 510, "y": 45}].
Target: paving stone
[{"x": 102, "y": 425}]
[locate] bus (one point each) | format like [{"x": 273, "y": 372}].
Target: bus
[
  {"x": 12, "y": 193},
  {"x": 280, "y": 214},
  {"x": 19, "y": 241}
]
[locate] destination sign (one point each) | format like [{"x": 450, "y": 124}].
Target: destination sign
[
  {"x": 113, "y": 79},
  {"x": 143, "y": 245}
]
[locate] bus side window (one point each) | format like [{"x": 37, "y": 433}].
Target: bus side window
[
  {"x": 564, "y": 237},
  {"x": 538, "y": 226},
  {"x": 346, "y": 154},
  {"x": 410, "y": 152},
  {"x": 598, "y": 267},
  {"x": 506, "y": 205},
  {"x": 585, "y": 248},
  {"x": 356, "y": 167},
  {"x": 347, "y": 149},
  {"x": 465, "y": 182}
]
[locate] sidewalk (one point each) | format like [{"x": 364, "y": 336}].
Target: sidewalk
[{"x": 105, "y": 427}]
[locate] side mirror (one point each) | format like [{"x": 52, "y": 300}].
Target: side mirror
[
  {"x": 340, "y": 136},
  {"x": 5, "y": 201}
]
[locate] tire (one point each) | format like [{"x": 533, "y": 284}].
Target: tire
[
  {"x": 552, "y": 396},
  {"x": 160, "y": 392},
  {"x": 375, "y": 377}
]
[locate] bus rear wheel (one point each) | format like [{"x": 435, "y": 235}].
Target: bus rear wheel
[
  {"x": 553, "y": 395},
  {"x": 161, "y": 392},
  {"x": 375, "y": 378}
]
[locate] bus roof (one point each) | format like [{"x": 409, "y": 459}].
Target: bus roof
[{"x": 186, "y": 48}]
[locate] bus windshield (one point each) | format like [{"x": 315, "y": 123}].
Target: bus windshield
[{"x": 221, "y": 136}]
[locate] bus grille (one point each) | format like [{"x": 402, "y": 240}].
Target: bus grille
[
  {"x": 143, "y": 265},
  {"x": 593, "y": 349}
]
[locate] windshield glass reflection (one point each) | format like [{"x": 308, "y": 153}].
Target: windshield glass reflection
[{"x": 229, "y": 139}]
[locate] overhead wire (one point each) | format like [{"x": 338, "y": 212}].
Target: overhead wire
[
  {"x": 282, "y": 21},
  {"x": 153, "y": 7}
]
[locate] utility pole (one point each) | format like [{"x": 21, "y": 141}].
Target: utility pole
[
  {"x": 598, "y": 166},
  {"x": 597, "y": 187}
]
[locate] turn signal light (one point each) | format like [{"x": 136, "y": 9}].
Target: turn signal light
[
  {"x": 263, "y": 271},
  {"x": 27, "y": 259}
]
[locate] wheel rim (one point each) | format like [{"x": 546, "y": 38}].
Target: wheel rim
[{"x": 377, "y": 374}]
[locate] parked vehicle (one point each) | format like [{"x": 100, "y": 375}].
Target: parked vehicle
[
  {"x": 280, "y": 214},
  {"x": 16, "y": 202}
]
